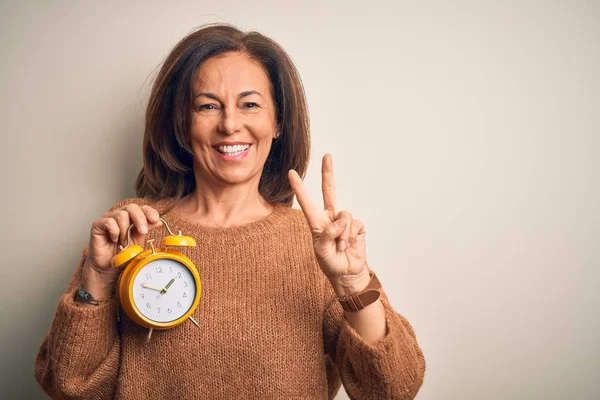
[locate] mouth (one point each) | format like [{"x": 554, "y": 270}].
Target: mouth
[
  {"x": 232, "y": 150},
  {"x": 233, "y": 153}
]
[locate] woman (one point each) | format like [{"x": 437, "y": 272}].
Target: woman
[{"x": 226, "y": 142}]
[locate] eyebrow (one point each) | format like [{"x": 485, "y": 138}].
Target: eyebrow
[{"x": 241, "y": 95}]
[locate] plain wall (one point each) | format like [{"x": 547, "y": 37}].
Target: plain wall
[{"x": 464, "y": 134}]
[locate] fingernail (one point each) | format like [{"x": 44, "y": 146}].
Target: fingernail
[
  {"x": 343, "y": 245},
  {"x": 144, "y": 229}
]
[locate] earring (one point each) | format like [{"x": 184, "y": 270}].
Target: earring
[{"x": 277, "y": 134}]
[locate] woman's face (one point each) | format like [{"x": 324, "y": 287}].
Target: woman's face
[{"x": 233, "y": 119}]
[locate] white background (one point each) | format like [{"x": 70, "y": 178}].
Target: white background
[{"x": 464, "y": 134}]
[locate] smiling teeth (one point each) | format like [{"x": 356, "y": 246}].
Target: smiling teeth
[{"x": 233, "y": 150}]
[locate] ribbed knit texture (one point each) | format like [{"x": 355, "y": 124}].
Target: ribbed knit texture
[{"x": 270, "y": 328}]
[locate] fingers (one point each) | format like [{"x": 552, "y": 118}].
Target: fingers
[
  {"x": 121, "y": 217},
  {"x": 124, "y": 217},
  {"x": 152, "y": 220},
  {"x": 132, "y": 214},
  {"x": 334, "y": 229},
  {"x": 339, "y": 230},
  {"x": 106, "y": 225},
  {"x": 346, "y": 221},
  {"x": 152, "y": 216},
  {"x": 328, "y": 185},
  {"x": 310, "y": 209},
  {"x": 357, "y": 228},
  {"x": 345, "y": 230}
]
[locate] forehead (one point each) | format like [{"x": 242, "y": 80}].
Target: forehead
[{"x": 231, "y": 72}]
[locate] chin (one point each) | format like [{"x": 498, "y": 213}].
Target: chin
[{"x": 234, "y": 178}]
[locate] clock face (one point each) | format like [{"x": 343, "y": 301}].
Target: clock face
[{"x": 164, "y": 290}]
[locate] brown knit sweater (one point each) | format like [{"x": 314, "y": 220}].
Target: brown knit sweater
[{"x": 271, "y": 328}]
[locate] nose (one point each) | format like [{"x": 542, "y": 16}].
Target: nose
[{"x": 230, "y": 122}]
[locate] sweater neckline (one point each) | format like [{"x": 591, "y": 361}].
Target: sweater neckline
[{"x": 226, "y": 235}]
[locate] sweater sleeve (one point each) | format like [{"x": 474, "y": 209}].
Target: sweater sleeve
[
  {"x": 392, "y": 368},
  {"x": 79, "y": 357}
]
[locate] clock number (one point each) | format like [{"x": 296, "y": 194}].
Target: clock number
[
  {"x": 147, "y": 305},
  {"x": 178, "y": 304},
  {"x": 142, "y": 295},
  {"x": 169, "y": 310},
  {"x": 179, "y": 274},
  {"x": 158, "y": 270},
  {"x": 170, "y": 269},
  {"x": 184, "y": 294},
  {"x": 185, "y": 284},
  {"x": 158, "y": 308},
  {"x": 148, "y": 276}
]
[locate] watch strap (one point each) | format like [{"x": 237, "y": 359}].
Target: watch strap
[{"x": 359, "y": 300}]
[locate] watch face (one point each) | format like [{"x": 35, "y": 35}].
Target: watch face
[{"x": 164, "y": 290}]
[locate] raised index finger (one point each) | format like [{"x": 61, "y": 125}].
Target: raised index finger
[
  {"x": 328, "y": 185},
  {"x": 309, "y": 208}
]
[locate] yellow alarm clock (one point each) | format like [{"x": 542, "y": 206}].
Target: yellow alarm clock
[{"x": 158, "y": 288}]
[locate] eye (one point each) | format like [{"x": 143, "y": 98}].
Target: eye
[
  {"x": 250, "y": 105},
  {"x": 206, "y": 107}
]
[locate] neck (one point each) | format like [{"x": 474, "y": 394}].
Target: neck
[{"x": 225, "y": 206}]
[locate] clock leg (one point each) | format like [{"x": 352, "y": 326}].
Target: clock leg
[
  {"x": 149, "y": 335},
  {"x": 194, "y": 321}
]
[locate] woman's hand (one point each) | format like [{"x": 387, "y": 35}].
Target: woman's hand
[
  {"x": 107, "y": 233},
  {"x": 338, "y": 238}
]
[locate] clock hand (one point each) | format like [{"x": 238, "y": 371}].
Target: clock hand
[
  {"x": 148, "y": 286},
  {"x": 167, "y": 287}
]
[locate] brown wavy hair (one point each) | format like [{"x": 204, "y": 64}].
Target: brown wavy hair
[{"x": 167, "y": 170}]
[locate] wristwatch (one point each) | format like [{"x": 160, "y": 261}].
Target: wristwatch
[
  {"x": 359, "y": 300},
  {"x": 86, "y": 297}
]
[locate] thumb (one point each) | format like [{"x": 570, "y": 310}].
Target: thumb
[{"x": 335, "y": 229}]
